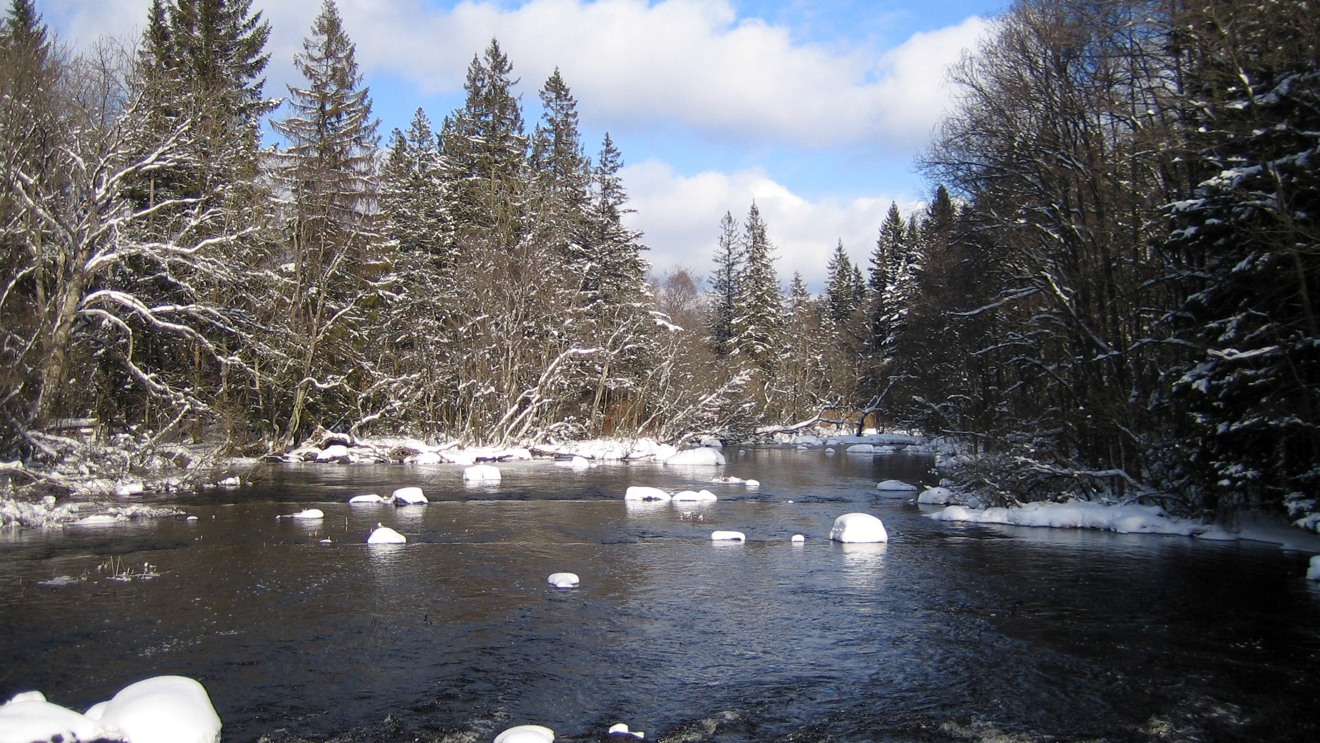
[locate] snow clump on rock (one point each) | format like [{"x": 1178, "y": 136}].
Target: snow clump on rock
[
  {"x": 163, "y": 709},
  {"x": 385, "y": 535},
  {"x": 703, "y": 456},
  {"x": 858, "y": 527},
  {"x": 526, "y": 734}
]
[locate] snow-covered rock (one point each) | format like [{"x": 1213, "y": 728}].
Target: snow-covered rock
[
  {"x": 1313, "y": 571},
  {"x": 563, "y": 580},
  {"x": 807, "y": 440},
  {"x": 385, "y": 535},
  {"x": 526, "y": 734},
  {"x": 426, "y": 457},
  {"x": 858, "y": 527},
  {"x": 411, "y": 496},
  {"x": 481, "y": 473},
  {"x": 799, "y": 539},
  {"x": 860, "y": 449},
  {"x": 895, "y": 487},
  {"x": 728, "y": 536},
  {"x": 29, "y": 717},
  {"x": 164, "y": 709},
  {"x": 230, "y": 482},
  {"x": 645, "y": 493},
  {"x": 703, "y": 456},
  {"x": 620, "y": 730},
  {"x": 935, "y": 496},
  {"x": 100, "y": 519},
  {"x": 574, "y": 463},
  {"x": 695, "y": 496},
  {"x": 367, "y": 500},
  {"x": 307, "y": 514},
  {"x": 713, "y": 443},
  {"x": 132, "y": 487},
  {"x": 334, "y": 453}
]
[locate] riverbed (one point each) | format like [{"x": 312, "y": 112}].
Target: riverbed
[{"x": 300, "y": 630}]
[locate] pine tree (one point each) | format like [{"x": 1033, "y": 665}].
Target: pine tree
[
  {"x": 562, "y": 176},
  {"x": 328, "y": 170},
  {"x": 726, "y": 285},
  {"x": 413, "y": 198},
  {"x": 617, "y": 264}
]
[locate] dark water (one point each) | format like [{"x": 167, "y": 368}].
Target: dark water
[{"x": 948, "y": 633}]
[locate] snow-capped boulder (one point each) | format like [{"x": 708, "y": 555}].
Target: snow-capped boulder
[
  {"x": 307, "y": 514},
  {"x": 703, "y": 456},
  {"x": 895, "y": 487},
  {"x": 481, "y": 473},
  {"x": 860, "y": 449},
  {"x": 620, "y": 730},
  {"x": 858, "y": 527},
  {"x": 164, "y": 709},
  {"x": 132, "y": 487},
  {"x": 728, "y": 536},
  {"x": 426, "y": 457},
  {"x": 808, "y": 440},
  {"x": 563, "y": 580},
  {"x": 643, "y": 492},
  {"x": 367, "y": 500},
  {"x": 695, "y": 496},
  {"x": 574, "y": 463},
  {"x": 799, "y": 539},
  {"x": 1313, "y": 571},
  {"x": 935, "y": 497},
  {"x": 412, "y": 496},
  {"x": 526, "y": 734},
  {"x": 385, "y": 535},
  {"x": 29, "y": 717},
  {"x": 713, "y": 443}
]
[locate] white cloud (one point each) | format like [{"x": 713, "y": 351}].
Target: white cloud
[{"x": 681, "y": 215}]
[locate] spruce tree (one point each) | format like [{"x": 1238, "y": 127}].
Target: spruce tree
[
  {"x": 726, "y": 285},
  {"x": 758, "y": 320},
  {"x": 328, "y": 172},
  {"x": 840, "y": 291}
]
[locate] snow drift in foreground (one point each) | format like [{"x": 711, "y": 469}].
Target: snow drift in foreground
[
  {"x": 164, "y": 709},
  {"x": 1127, "y": 519}
]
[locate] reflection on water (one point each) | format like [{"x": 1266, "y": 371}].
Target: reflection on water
[{"x": 949, "y": 632}]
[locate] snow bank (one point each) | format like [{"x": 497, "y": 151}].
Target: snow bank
[
  {"x": 574, "y": 463},
  {"x": 164, "y": 709},
  {"x": 612, "y": 449},
  {"x": 858, "y": 527},
  {"x": 1127, "y": 519},
  {"x": 526, "y": 734},
  {"x": 47, "y": 513},
  {"x": 860, "y": 449},
  {"x": 700, "y": 457}
]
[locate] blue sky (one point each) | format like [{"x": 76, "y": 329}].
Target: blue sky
[{"x": 815, "y": 109}]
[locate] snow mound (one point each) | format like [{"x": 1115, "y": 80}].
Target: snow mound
[
  {"x": 642, "y": 492},
  {"x": 526, "y": 734},
  {"x": 728, "y": 536},
  {"x": 481, "y": 473},
  {"x": 307, "y": 514},
  {"x": 574, "y": 463},
  {"x": 563, "y": 580},
  {"x": 935, "y": 497},
  {"x": 895, "y": 486},
  {"x": 386, "y": 535},
  {"x": 334, "y": 453},
  {"x": 695, "y": 496},
  {"x": 368, "y": 499},
  {"x": 799, "y": 539},
  {"x": 1126, "y": 519},
  {"x": 860, "y": 449},
  {"x": 409, "y": 497},
  {"x": 702, "y": 456},
  {"x": 620, "y": 730},
  {"x": 426, "y": 457},
  {"x": 164, "y": 709},
  {"x": 1313, "y": 571},
  {"x": 858, "y": 527}
]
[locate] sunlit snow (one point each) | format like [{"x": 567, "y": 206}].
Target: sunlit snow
[
  {"x": 164, "y": 709},
  {"x": 858, "y": 527},
  {"x": 526, "y": 734},
  {"x": 703, "y": 456},
  {"x": 385, "y": 535}
]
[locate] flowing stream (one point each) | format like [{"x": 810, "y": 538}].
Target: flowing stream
[{"x": 947, "y": 633}]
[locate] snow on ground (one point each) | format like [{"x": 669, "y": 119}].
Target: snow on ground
[{"x": 164, "y": 709}]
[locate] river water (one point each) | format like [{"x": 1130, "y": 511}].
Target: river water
[{"x": 948, "y": 633}]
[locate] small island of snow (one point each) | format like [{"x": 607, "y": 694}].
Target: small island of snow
[
  {"x": 563, "y": 580},
  {"x": 385, "y": 535},
  {"x": 526, "y": 734},
  {"x": 703, "y": 456},
  {"x": 858, "y": 527}
]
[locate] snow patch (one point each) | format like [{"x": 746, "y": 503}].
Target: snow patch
[
  {"x": 935, "y": 497},
  {"x": 385, "y": 535},
  {"x": 563, "y": 580},
  {"x": 163, "y": 709},
  {"x": 728, "y": 536},
  {"x": 699, "y": 457},
  {"x": 526, "y": 734},
  {"x": 1123, "y": 519}
]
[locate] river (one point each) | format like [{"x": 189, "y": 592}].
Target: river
[{"x": 950, "y": 632}]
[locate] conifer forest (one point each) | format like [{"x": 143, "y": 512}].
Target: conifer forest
[{"x": 1113, "y": 286}]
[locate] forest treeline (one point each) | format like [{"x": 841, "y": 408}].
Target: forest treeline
[{"x": 1111, "y": 290}]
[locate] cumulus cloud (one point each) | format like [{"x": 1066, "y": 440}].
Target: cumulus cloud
[{"x": 680, "y": 216}]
